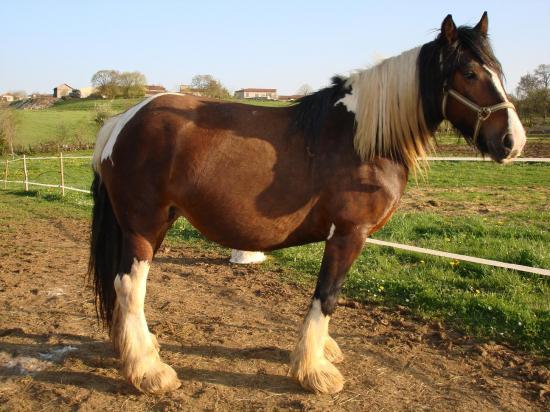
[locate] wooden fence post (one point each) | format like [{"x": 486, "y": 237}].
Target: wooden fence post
[
  {"x": 62, "y": 174},
  {"x": 26, "y": 173},
  {"x": 6, "y": 175}
]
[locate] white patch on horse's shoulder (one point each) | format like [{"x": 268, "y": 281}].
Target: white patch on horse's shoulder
[
  {"x": 331, "y": 231},
  {"x": 112, "y": 128},
  {"x": 349, "y": 100}
]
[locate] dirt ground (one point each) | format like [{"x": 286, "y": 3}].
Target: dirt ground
[
  {"x": 228, "y": 331},
  {"x": 532, "y": 149}
]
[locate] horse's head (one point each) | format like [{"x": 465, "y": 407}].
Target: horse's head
[{"x": 473, "y": 99}]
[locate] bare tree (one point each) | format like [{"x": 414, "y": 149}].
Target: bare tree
[
  {"x": 305, "y": 89},
  {"x": 527, "y": 84},
  {"x": 533, "y": 94},
  {"x": 542, "y": 73}
]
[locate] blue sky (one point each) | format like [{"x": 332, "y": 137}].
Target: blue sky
[{"x": 280, "y": 44}]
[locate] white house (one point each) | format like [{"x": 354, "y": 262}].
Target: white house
[{"x": 252, "y": 93}]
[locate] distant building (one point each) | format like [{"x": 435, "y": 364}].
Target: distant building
[
  {"x": 86, "y": 91},
  {"x": 62, "y": 90},
  {"x": 7, "y": 98},
  {"x": 151, "y": 90},
  {"x": 290, "y": 98},
  {"x": 186, "y": 89},
  {"x": 251, "y": 93}
]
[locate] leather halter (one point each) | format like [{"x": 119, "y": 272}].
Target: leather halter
[{"x": 483, "y": 112}]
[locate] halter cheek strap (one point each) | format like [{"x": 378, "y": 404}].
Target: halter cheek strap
[{"x": 483, "y": 113}]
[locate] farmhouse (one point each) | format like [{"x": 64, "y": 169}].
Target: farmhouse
[
  {"x": 251, "y": 93},
  {"x": 62, "y": 90},
  {"x": 7, "y": 97},
  {"x": 151, "y": 89},
  {"x": 186, "y": 89}
]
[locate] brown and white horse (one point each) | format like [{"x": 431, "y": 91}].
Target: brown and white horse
[{"x": 330, "y": 168}]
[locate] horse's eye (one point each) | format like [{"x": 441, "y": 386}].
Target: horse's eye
[{"x": 470, "y": 75}]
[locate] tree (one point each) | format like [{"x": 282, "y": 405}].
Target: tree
[
  {"x": 207, "y": 86},
  {"x": 542, "y": 73},
  {"x": 106, "y": 83},
  {"x": 305, "y": 89},
  {"x": 533, "y": 94},
  {"x": 527, "y": 84},
  {"x": 132, "y": 84}
]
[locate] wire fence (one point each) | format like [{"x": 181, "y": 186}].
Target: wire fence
[{"x": 61, "y": 162}]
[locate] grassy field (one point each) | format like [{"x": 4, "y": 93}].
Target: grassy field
[
  {"x": 71, "y": 123},
  {"x": 477, "y": 209}
]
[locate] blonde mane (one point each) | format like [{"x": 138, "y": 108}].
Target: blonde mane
[{"x": 389, "y": 114}]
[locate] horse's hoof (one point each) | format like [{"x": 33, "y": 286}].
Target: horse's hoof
[
  {"x": 332, "y": 351},
  {"x": 322, "y": 378},
  {"x": 160, "y": 378}
]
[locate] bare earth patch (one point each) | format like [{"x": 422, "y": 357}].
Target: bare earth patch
[
  {"x": 228, "y": 331},
  {"x": 498, "y": 200}
]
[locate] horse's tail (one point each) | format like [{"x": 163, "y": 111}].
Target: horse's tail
[{"x": 105, "y": 250}]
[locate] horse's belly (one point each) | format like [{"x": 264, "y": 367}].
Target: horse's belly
[{"x": 240, "y": 223}]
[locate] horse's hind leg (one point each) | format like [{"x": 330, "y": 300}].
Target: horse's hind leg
[
  {"x": 311, "y": 362},
  {"x": 140, "y": 360}
]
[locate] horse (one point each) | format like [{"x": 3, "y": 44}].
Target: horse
[{"x": 331, "y": 167}]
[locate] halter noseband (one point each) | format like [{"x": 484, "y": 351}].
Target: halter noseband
[{"x": 483, "y": 113}]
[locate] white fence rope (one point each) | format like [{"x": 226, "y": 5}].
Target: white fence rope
[
  {"x": 28, "y": 183},
  {"x": 481, "y": 159},
  {"x": 465, "y": 258}
]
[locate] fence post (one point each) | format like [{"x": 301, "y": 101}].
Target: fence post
[
  {"x": 26, "y": 173},
  {"x": 6, "y": 175},
  {"x": 62, "y": 174}
]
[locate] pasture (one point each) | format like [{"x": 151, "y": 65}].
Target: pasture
[
  {"x": 71, "y": 123},
  {"x": 421, "y": 331},
  {"x": 477, "y": 209},
  {"x": 404, "y": 318}
]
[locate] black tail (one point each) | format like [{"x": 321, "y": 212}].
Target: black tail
[{"x": 105, "y": 250}]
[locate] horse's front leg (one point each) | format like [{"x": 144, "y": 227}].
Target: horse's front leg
[
  {"x": 138, "y": 348},
  {"x": 311, "y": 361}
]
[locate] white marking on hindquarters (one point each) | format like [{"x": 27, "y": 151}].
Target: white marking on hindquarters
[
  {"x": 244, "y": 257},
  {"x": 108, "y": 134},
  {"x": 141, "y": 363},
  {"x": 515, "y": 128},
  {"x": 331, "y": 231},
  {"x": 308, "y": 362},
  {"x": 350, "y": 99}
]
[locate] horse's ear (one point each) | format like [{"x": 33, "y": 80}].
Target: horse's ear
[
  {"x": 483, "y": 26},
  {"x": 448, "y": 29}
]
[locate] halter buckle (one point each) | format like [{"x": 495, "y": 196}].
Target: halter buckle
[{"x": 484, "y": 113}]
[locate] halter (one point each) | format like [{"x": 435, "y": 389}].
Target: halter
[{"x": 483, "y": 113}]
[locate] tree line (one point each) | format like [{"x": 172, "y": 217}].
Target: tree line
[
  {"x": 112, "y": 83},
  {"x": 532, "y": 97}
]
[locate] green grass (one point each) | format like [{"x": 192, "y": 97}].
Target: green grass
[
  {"x": 71, "y": 122},
  {"x": 40, "y": 126},
  {"x": 482, "y": 209},
  {"x": 117, "y": 105}
]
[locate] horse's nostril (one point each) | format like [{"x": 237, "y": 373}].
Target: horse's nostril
[{"x": 508, "y": 142}]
